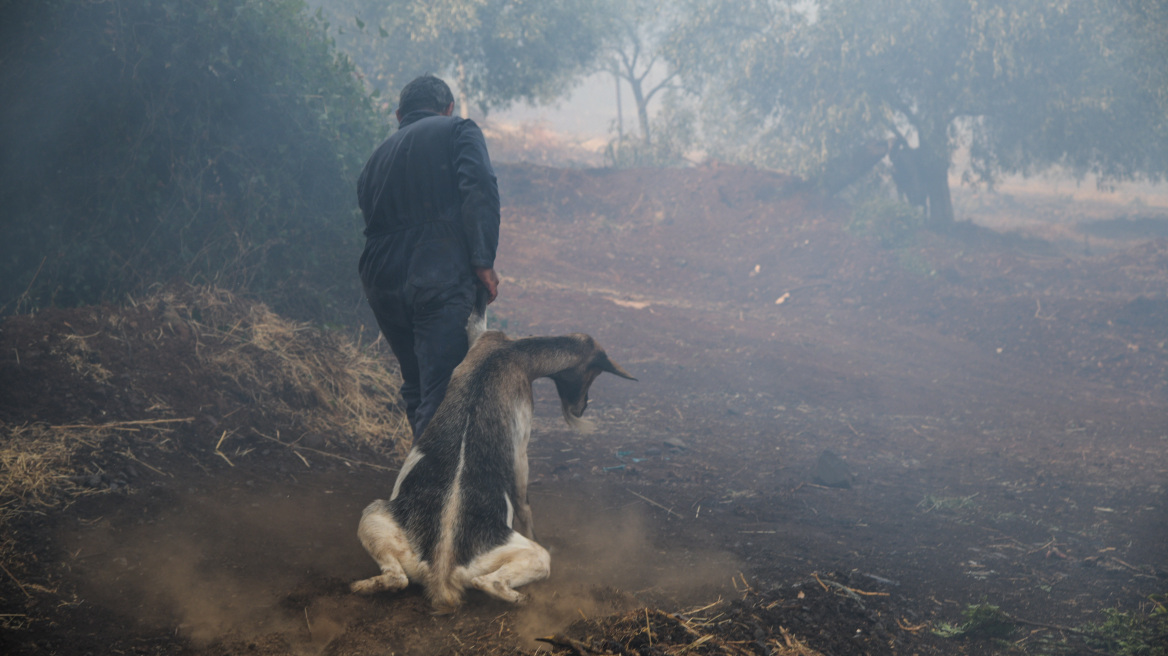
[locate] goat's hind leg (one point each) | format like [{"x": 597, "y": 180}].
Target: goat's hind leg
[
  {"x": 514, "y": 564},
  {"x": 387, "y": 544}
]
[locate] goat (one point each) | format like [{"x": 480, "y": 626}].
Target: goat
[{"x": 458, "y": 516}]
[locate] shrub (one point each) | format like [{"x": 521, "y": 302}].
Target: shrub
[
  {"x": 149, "y": 140},
  {"x": 893, "y": 223}
]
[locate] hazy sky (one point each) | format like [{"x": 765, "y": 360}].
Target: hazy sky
[{"x": 589, "y": 111}]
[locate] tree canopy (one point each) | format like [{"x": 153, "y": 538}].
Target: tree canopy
[
  {"x": 148, "y": 140},
  {"x": 1024, "y": 84},
  {"x": 495, "y": 51}
]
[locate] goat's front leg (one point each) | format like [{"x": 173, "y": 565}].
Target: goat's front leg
[{"x": 522, "y": 523}]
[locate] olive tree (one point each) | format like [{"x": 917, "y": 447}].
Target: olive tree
[
  {"x": 1025, "y": 84},
  {"x": 495, "y": 51}
]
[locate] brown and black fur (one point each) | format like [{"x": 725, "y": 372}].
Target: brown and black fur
[{"x": 459, "y": 516}]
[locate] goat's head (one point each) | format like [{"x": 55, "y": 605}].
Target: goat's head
[{"x": 572, "y": 383}]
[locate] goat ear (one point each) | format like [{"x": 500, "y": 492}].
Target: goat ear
[{"x": 613, "y": 368}]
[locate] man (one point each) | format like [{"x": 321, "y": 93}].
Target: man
[{"x": 431, "y": 207}]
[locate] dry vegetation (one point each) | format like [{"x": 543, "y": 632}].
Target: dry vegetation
[{"x": 230, "y": 355}]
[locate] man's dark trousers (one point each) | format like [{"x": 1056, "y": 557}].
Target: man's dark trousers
[{"x": 426, "y": 329}]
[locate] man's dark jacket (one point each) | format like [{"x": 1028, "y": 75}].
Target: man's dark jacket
[{"x": 431, "y": 206}]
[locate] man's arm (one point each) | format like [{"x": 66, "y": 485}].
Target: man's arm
[
  {"x": 490, "y": 280},
  {"x": 479, "y": 193}
]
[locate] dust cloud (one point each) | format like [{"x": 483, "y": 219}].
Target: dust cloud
[
  {"x": 229, "y": 564},
  {"x": 245, "y": 564},
  {"x": 605, "y": 559}
]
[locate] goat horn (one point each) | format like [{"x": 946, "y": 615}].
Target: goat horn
[{"x": 614, "y": 368}]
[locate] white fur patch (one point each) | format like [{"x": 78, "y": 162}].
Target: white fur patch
[
  {"x": 476, "y": 325},
  {"x": 412, "y": 460},
  {"x": 513, "y": 564},
  {"x": 521, "y": 422},
  {"x": 388, "y": 545}
]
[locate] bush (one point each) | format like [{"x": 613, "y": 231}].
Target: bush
[
  {"x": 148, "y": 140},
  {"x": 893, "y": 223},
  {"x": 1134, "y": 633}
]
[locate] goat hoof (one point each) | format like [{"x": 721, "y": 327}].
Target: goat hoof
[{"x": 365, "y": 587}]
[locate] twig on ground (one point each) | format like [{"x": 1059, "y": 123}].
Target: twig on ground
[
  {"x": 557, "y": 640},
  {"x": 746, "y": 589},
  {"x": 15, "y": 580},
  {"x": 850, "y": 592},
  {"x": 129, "y": 454},
  {"x": 323, "y": 453},
  {"x": 648, "y": 500}
]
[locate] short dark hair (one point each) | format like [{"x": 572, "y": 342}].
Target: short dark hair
[{"x": 424, "y": 92}]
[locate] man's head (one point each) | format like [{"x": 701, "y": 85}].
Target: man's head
[{"x": 425, "y": 92}]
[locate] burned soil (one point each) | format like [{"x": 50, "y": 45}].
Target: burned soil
[{"x": 844, "y": 440}]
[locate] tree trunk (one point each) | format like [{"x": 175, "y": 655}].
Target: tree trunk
[
  {"x": 936, "y": 179},
  {"x": 908, "y": 173},
  {"x": 463, "y": 97},
  {"x": 940, "y": 202},
  {"x": 922, "y": 179},
  {"x": 620, "y": 114},
  {"x": 642, "y": 107}
]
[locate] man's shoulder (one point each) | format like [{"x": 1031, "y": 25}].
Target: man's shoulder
[
  {"x": 435, "y": 127},
  {"x": 452, "y": 123}
]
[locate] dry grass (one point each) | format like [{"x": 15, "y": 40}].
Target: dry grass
[
  {"x": 674, "y": 634},
  {"x": 336, "y": 387},
  {"x": 37, "y": 463},
  {"x": 321, "y": 382},
  {"x": 77, "y": 353}
]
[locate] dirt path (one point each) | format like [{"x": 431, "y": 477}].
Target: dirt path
[{"x": 992, "y": 451}]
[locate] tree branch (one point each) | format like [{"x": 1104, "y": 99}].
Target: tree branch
[{"x": 661, "y": 85}]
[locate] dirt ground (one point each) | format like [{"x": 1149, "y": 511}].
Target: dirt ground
[{"x": 840, "y": 442}]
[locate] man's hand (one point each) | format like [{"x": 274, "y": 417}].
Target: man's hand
[{"x": 490, "y": 280}]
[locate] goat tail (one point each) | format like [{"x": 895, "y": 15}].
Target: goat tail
[
  {"x": 443, "y": 588},
  {"x": 476, "y": 324}
]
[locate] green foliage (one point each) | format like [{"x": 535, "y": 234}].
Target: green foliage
[
  {"x": 893, "y": 223},
  {"x": 1122, "y": 633},
  {"x": 981, "y": 621},
  {"x": 495, "y": 51},
  {"x": 673, "y": 128},
  {"x": 1129, "y": 633},
  {"x": 1083, "y": 84},
  {"x": 146, "y": 140}
]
